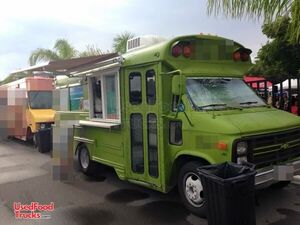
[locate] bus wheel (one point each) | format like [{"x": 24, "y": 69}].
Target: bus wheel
[
  {"x": 281, "y": 184},
  {"x": 191, "y": 190},
  {"x": 85, "y": 162}
]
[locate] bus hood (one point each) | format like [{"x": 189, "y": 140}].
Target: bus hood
[
  {"x": 250, "y": 121},
  {"x": 42, "y": 115}
]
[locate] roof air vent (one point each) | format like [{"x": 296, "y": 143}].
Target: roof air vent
[{"x": 143, "y": 41}]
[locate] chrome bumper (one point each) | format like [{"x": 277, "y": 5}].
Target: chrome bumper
[{"x": 269, "y": 175}]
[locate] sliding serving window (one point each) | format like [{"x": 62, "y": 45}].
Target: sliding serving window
[{"x": 104, "y": 97}]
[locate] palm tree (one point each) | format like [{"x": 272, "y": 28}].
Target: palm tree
[
  {"x": 256, "y": 9},
  {"x": 90, "y": 50},
  {"x": 120, "y": 41},
  {"x": 62, "y": 50}
]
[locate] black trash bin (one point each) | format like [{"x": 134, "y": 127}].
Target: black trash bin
[
  {"x": 44, "y": 140},
  {"x": 229, "y": 190}
]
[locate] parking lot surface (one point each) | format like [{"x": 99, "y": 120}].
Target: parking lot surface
[{"x": 26, "y": 176}]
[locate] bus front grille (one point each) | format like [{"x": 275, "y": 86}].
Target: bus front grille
[{"x": 274, "y": 148}]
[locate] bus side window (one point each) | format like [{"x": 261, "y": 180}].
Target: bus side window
[
  {"x": 137, "y": 145},
  {"x": 152, "y": 144},
  {"x": 150, "y": 87},
  {"x": 135, "y": 88},
  {"x": 175, "y": 132}
]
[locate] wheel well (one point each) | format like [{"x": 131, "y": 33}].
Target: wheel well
[
  {"x": 78, "y": 146},
  {"x": 29, "y": 134},
  {"x": 178, "y": 164}
]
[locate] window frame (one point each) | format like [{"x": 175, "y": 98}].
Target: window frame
[{"x": 101, "y": 75}]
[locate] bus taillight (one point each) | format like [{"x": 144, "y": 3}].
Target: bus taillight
[
  {"x": 241, "y": 54},
  {"x": 176, "y": 50},
  {"x": 182, "y": 48},
  {"x": 245, "y": 56},
  {"x": 236, "y": 56},
  {"x": 187, "y": 52}
]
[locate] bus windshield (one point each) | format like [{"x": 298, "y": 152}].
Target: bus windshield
[
  {"x": 40, "y": 99},
  {"x": 221, "y": 93}
]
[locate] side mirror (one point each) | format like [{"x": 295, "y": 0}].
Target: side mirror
[{"x": 178, "y": 85}]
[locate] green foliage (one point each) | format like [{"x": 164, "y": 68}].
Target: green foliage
[
  {"x": 294, "y": 27},
  {"x": 269, "y": 10},
  {"x": 13, "y": 77},
  {"x": 120, "y": 41},
  {"x": 62, "y": 50},
  {"x": 42, "y": 54},
  {"x": 279, "y": 58}
]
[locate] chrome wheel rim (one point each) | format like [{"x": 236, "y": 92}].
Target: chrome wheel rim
[
  {"x": 193, "y": 189},
  {"x": 84, "y": 158}
]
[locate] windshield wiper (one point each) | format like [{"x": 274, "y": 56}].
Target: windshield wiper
[
  {"x": 248, "y": 103},
  {"x": 220, "y": 104},
  {"x": 212, "y": 105}
]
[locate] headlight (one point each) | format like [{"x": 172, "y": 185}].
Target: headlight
[
  {"x": 43, "y": 126},
  {"x": 241, "y": 148}
]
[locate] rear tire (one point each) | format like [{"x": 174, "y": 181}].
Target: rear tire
[
  {"x": 191, "y": 190},
  {"x": 87, "y": 166},
  {"x": 281, "y": 184}
]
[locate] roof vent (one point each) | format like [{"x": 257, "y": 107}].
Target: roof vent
[{"x": 143, "y": 41}]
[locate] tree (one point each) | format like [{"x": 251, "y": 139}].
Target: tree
[
  {"x": 120, "y": 41},
  {"x": 90, "y": 50},
  {"x": 62, "y": 50},
  {"x": 278, "y": 59},
  {"x": 255, "y": 9},
  {"x": 13, "y": 77}
]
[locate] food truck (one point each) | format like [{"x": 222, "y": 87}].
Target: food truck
[
  {"x": 27, "y": 111},
  {"x": 162, "y": 110}
]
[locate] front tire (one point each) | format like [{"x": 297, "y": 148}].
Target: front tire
[
  {"x": 191, "y": 190},
  {"x": 87, "y": 166}
]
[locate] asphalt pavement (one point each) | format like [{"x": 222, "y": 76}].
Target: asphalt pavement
[{"x": 26, "y": 176}]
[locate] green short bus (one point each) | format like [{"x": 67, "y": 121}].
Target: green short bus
[{"x": 160, "y": 111}]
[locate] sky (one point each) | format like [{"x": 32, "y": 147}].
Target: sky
[{"x": 31, "y": 24}]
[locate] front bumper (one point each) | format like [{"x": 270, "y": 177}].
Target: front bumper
[{"x": 273, "y": 174}]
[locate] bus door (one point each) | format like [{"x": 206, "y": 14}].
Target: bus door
[{"x": 141, "y": 85}]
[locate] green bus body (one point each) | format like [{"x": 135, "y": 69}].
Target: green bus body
[{"x": 208, "y": 136}]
